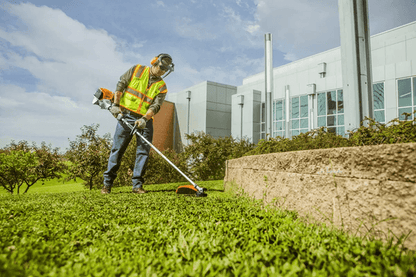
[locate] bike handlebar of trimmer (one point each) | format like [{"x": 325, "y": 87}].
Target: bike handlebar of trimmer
[{"x": 134, "y": 130}]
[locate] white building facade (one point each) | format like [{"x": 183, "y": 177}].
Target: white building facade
[
  {"x": 307, "y": 93},
  {"x": 205, "y": 107}
]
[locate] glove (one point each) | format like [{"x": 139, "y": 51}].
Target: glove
[
  {"x": 141, "y": 123},
  {"x": 115, "y": 110}
]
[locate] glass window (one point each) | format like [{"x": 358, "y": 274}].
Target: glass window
[
  {"x": 332, "y": 101},
  {"x": 304, "y": 106},
  {"x": 304, "y": 123},
  {"x": 378, "y": 96},
  {"x": 414, "y": 91},
  {"x": 331, "y": 111},
  {"x": 378, "y": 102},
  {"x": 405, "y": 92},
  {"x": 295, "y": 107},
  {"x": 379, "y": 116},
  {"x": 321, "y": 104},
  {"x": 331, "y": 121},
  {"x": 300, "y": 118},
  {"x": 321, "y": 121},
  {"x": 406, "y": 97},
  {"x": 405, "y": 110},
  {"x": 340, "y": 102},
  {"x": 279, "y": 118},
  {"x": 295, "y": 124},
  {"x": 279, "y": 109},
  {"x": 341, "y": 119}
]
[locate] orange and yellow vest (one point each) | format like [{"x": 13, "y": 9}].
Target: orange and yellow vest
[{"x": 138, "y": 97}]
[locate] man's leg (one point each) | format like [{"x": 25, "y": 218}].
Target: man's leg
[
  {"x": 142, "y": 156},
  {"x": 122, "y": 138}
]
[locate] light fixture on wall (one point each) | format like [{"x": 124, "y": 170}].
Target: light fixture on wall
[{"x": 322, "y": 69}]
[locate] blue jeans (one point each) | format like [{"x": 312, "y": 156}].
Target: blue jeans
[{"x": 122, "y": 138}]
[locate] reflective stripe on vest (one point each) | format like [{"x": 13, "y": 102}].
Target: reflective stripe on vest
[{"x": 137, "y": 97}]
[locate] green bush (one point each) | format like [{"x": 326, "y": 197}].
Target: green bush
[
  {"x": 395, "y": 131},
  {"x": 160, "y": 171},
  {"x": 207, "y": 155},
  {"x": 314, "y": 139}
]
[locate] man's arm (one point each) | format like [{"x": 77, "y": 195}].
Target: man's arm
[
  {"x": 122, "y": 84},
  {"x": 154, "y": 108}
]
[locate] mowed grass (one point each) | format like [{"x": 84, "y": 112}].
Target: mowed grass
[
  {"x": 60, "y": 185},
  {"x": 85, "y": 233}
]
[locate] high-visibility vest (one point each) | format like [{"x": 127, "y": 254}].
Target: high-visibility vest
[{"x": 138, "y": 97}]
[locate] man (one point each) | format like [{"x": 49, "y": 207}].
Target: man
[{"x": 139, "y": 96}]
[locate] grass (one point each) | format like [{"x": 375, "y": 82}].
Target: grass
[
  {"x": 51, "y": 186},
  {"x": 160, "y": 233}
]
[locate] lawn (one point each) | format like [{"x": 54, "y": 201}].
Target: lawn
[
  {"x": 84, "y": 233},
  {"x": 51, "y": 186}
]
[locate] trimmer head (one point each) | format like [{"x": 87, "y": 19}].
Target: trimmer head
[{"x": 191, "y": 190}]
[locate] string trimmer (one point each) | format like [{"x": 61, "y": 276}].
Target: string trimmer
[{"x": 104, "y": 99}]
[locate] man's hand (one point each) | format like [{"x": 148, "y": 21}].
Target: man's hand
[
  {"x": 115, "y": 110},
  {"x": 141, "y": 123}
]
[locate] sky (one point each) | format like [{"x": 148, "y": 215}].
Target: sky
[{"x": 55, "y": 54}]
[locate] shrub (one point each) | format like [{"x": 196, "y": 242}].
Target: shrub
[
  {"x": 314, "y": 139},
  {"x": 395, "y": 131},
  {"x": 160, "y": 171},
  {"x": 207, "y": 155}
]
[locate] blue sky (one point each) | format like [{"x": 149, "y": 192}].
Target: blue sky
[{"x": 55, "y": 54}]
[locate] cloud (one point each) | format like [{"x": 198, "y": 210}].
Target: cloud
[
  {"x": 300, "y": 27},
  {"x": 188, "y": 28},
  {"x": 38, "y": 116},
  {"x": 66, "y": 56},
  {"x": 69, "y": 61},
  {"x": 290, "y": 57},
  {"x": 160, "y": 4},
  {"x": 244, "y": 31}
]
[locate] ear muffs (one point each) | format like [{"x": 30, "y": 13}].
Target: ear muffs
[{"x": 154, "y": 60}]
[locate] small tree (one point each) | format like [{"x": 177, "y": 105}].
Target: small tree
[
  {"x": 88, "y": 156},
  {"x": 23, "y": 164},
  {"x": 206, "y": 155}
]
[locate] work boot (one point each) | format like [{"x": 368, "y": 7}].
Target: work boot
[
  {"x": 105, "y": 190},
  {"x": 139, "y": 190}
]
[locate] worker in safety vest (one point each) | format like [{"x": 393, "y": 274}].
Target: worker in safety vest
[{"x": 139, "y": 96}]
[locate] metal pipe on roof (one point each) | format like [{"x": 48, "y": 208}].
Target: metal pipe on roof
[{"x": 268, "y": 92}]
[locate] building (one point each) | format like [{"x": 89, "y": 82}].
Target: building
[
  {"x": 307, "y": 93},
  {"x": 205, "y": 107}
]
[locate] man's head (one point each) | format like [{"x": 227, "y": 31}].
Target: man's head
[{"x": 161, "y": 64}]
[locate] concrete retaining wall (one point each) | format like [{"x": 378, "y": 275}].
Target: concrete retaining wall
[{"x": 356, "y": 188}]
